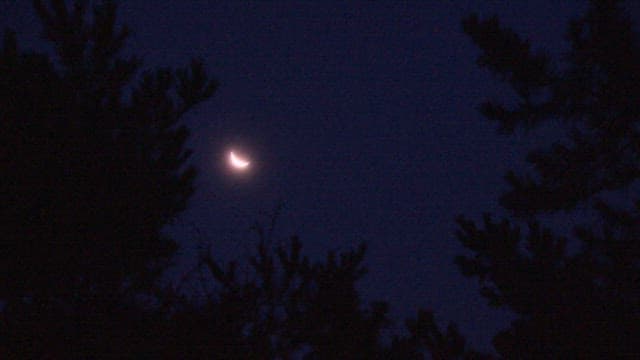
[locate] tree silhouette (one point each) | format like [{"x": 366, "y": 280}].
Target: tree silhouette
[
  {"x": 93, "y": 160},
  {"x": 584, "y": 302},
  {"x": 289, "y": 307},
  {"x": 290, "y": 304},
  {"x": 94, "y": 165}
]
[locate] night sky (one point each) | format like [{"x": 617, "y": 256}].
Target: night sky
[{"x": 360, "y": 118}]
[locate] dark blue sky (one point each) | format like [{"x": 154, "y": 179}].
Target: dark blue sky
[{"x": 360, "y": 117}]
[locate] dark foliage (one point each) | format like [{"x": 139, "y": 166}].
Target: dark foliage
[
  {"x": 93, "y": 165},
  {"x": 284, "y": 307},
  {"x": 569, "y": 304},
  {"x": 93, "y": 162},
  {"x": 291, "y": 308}
]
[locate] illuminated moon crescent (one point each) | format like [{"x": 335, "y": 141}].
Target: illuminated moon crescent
[{"x": 237, "y": 162}]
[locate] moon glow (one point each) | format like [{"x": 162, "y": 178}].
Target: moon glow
[{"x": 237, "y": 162}]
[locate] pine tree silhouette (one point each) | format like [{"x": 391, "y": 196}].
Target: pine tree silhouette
[
  {"x": 584, "y": 303},
  {"x": 93, "y": 166}
]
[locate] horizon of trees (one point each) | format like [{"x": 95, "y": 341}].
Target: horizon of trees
[{"x": 96, "y": 165}]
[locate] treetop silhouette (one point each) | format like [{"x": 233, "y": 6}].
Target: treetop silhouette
[
  {"x": 94, "y": 163},
  {"x": 580, "y": 303}
]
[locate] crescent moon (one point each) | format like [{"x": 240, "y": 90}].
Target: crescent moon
[{"x": 237, "y": 162}]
